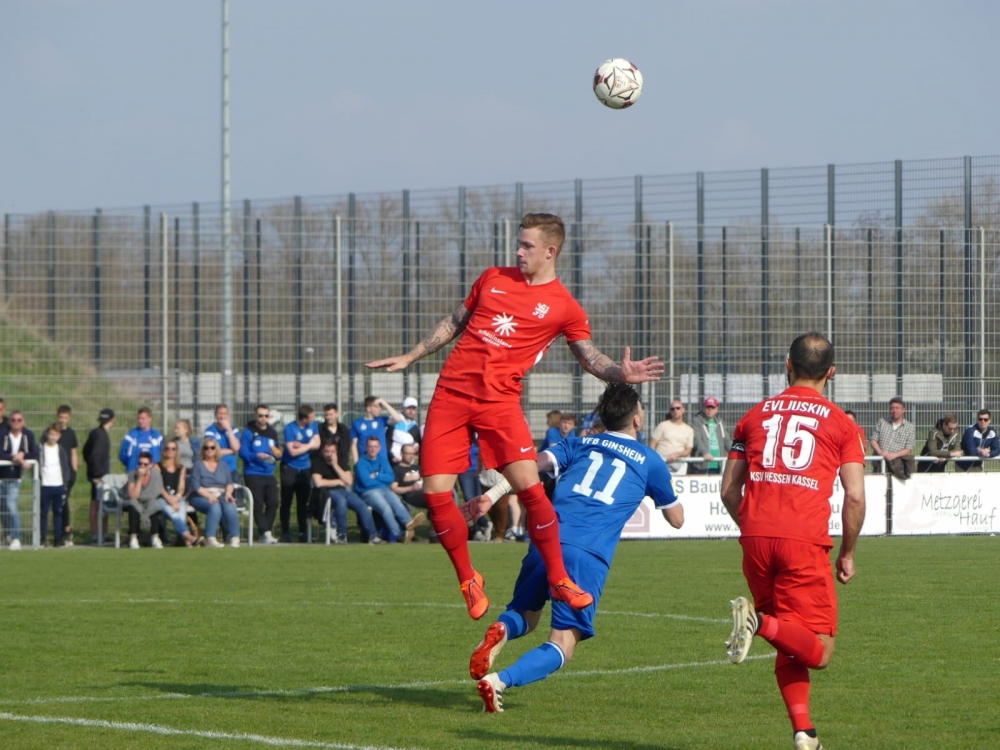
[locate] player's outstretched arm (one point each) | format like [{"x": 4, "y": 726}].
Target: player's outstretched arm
[
  {"x": 852, "y": 477},
  {"x": 602, "y": 366},
  {"x": 446, "y": 330}
]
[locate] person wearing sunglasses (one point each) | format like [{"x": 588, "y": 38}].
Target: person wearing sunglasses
[
  {"x": 980, "y": 440},
  {"x": 212, "y": 494},
  {"x": 144, "y": 488},
  {"x": 673, "y": 439},
  {"x": 259, "y": 450},
  {"x": 17, "y": 445}
]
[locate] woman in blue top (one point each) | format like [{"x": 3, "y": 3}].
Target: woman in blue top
[{"x": 212, "y": 494}]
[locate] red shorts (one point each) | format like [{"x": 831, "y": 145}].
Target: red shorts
[
  {"x": 452, "y": 418},
  {"x": 791, "y": 580}
]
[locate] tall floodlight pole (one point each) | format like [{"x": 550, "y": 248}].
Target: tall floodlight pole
[{"x": 227, "y": 230}]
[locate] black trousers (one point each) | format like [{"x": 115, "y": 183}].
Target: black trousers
[
  {"x": 295, "y": 482},
  {"x": 265, "y": 500},
  {"x": 156, "y": 522}
]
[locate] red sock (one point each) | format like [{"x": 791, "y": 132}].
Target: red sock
[
  {"x": 543, "y": 528},
  {"x": 792, "y": 639},
  {"x": 452, "y": 531},
  {"x": 793, "y": 682}
]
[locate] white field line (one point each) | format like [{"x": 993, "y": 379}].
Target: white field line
[
  {"x": 326, "y": 603},
  {"x": 128, "y": 726},
  {"x": 359, "y": 688}
]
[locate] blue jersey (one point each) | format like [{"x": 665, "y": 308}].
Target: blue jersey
[
  {"x": 363, "y": 428},
  {"x": 296, "y": 433},
  {"x": 602, "y": 480}
]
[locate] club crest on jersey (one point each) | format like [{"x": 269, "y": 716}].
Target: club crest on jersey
[
  {"x": 504, "y": 324},
  {"x": 540, "y": 310}
]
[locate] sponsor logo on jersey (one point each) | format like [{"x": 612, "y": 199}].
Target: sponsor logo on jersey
[
  {"x": 540, "y": 310},
  {"x": 503, "y": 324}
]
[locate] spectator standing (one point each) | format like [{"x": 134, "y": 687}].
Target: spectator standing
[
  {"x": 173, "y": 499},
  {"x": 17, "y": 445},
  {"x": 673, "y": 439},
  {"x": 405, "y": 431},
  {"x": 144, "y": 488},
  {"x": 4, "y": 420},
  {"x": 188, "y": 446},
  {"x": 301, "y": 437},
  {"x": 944, "y": 442},
  {"x": 374, "y": 422},
  {"x": 212, "y": 494},
  {"x": 54, "y": 468},
  {"x": 223, "y": 433},
  {"x": 142, "y": 437},
  {"x": 372, "y": 479},
  {"x": 893, "y": 440},
  {"x": 97, "y": 456},
  {"x": 710, "y": 438},
  {"x": 329, "y": 476},
  {"x": 69, "y": 442},
  {"x": 332, "y": 431},
  {"x": 259, "y": 450},
  {"x": 979, "y": 440}
]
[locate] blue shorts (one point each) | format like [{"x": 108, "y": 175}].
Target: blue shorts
[{"x": 532, "y": 588}]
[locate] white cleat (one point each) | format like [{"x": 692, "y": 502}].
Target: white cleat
[
  {"x": 491, "y": 691},
  {"x": 15, "y": 545},
  {"x": 211, "y": 541},
  {"x": 804, "y": 742},
  {"x": 157, "y": 544},
  {"x": 133, "y": 542},
  {"x": 744, "y": 629},
  {"x": 234, "y": 542}
]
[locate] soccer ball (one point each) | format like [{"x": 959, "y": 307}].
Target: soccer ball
[{"x": 617, "y": 83}]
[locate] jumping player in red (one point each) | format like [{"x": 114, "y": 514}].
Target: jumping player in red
[
  {"x": 786, "y": 454},
  {"x": 506, "y": 324}
]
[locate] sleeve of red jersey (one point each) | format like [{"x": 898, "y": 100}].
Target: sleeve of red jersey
[
  {"x": 739, "y": 447},
  {"x": 852, "y": 450},
  {"x": 577, "y": 327},
  {"x": 477, "y": 289}
]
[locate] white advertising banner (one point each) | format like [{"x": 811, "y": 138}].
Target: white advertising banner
[
  {"x": 946, "y": 504},
  {"x": 706, "y": 516}
]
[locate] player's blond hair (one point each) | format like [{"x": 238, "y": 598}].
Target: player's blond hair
[{"x": 549, "y": 225}]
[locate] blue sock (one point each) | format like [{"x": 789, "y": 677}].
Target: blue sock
[
  {"x": 514, "y": 622},
  {"x": 535, "y": 665}
]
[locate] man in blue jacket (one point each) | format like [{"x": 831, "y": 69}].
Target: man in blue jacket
[
  {"x": 980, "y": 440},
  {"x": 372, "y": 478},
  {"x": 259, "y": 450},
  {"x": 301, "y": 436},
  {"x": 142, "y": 437}
]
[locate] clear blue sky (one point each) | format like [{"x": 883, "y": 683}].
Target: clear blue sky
[{"x": 116, "y": 103}]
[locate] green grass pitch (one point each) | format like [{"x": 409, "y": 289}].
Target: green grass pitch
[{"x": 357, "y": 646}]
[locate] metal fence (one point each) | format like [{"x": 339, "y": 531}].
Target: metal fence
[{"x": 121, "y": 310}]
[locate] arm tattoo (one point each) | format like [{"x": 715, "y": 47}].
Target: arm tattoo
[
  {"x": 446, "y": 330},
  {"x": 596, "y": 363}
]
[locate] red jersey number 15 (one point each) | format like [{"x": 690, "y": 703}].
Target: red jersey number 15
[{"x": 797, "y": 441}]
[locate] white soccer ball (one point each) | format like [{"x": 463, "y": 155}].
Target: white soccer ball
[{"x": 617, "y": 83}]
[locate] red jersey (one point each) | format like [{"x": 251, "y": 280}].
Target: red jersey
[
  {"x": 794, "y": 445},
  {"x": 513, "y": 324}
]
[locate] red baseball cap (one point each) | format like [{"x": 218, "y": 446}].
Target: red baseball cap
[{"x": 710, "y": 401}]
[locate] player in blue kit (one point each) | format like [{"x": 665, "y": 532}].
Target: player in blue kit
[{"x": 602, "y": 480}]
